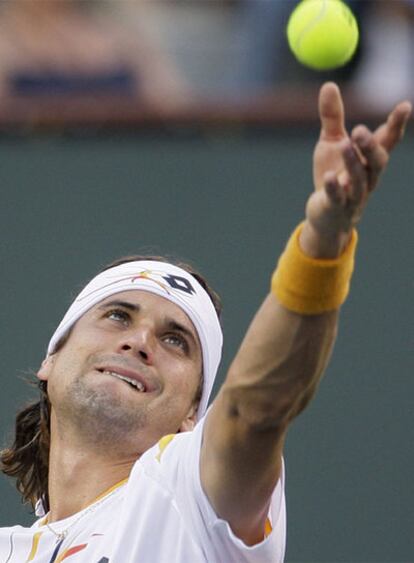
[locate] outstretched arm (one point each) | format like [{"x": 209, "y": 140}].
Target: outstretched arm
[{"x": 284, "y": 353}]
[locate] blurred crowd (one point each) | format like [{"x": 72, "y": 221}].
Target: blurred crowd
[{"x": 167, "y": 53}]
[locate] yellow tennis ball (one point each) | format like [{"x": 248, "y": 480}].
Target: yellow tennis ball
[{"x": 323, "y": 34}]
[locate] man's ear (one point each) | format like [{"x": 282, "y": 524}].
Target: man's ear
[
  {"x": 45, "y": 368},
  {"x": 190, "y": 420}
]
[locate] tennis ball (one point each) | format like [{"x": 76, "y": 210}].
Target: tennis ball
[{"x": 323, "y": 34}]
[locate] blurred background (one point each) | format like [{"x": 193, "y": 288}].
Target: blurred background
[
  {"x": 131, "y": 61},
  {"x": 186, "y": 128}
]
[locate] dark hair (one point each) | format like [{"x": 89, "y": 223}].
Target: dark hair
[{"x": 27, "y": 459}]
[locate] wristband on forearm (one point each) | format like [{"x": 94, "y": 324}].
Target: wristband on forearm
[{"x": 311, "y": 286}]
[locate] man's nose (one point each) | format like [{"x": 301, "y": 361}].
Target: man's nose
[{"x": 140, "y": 341}]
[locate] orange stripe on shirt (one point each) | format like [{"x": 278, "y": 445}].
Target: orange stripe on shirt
[
  {"x": 71, "y": 551},
  {"x": 268, "y": 528}
]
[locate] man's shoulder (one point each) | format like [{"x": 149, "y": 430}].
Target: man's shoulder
[
  {"x": 171, "y": 457},
  {"x": 173, "y": 444},
  {"x": 168, "y": 448}
]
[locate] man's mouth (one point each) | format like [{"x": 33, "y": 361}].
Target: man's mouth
[{"x": 134, "y": 383}]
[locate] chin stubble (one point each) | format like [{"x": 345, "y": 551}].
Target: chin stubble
[{"x": 102, "y": 416}]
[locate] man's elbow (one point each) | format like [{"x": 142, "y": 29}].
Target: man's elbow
[{"x": 264, "y": 407}]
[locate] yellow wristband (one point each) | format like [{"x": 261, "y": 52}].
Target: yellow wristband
[{"x": 311, "y": 286}]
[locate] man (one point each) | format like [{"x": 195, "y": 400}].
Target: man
[{"x": 128, "y": 468}]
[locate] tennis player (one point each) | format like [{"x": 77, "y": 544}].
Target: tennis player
[{"x": 122, "y": 458}]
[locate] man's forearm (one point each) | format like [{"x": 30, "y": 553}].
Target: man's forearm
[
  {"x": 284, "y": 353},
  {"x": 279, "y": 364}
]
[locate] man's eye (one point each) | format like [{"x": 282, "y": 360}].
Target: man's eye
[
  {"x": 176, "y": 340},
  {"x": 117, "y": 315}
]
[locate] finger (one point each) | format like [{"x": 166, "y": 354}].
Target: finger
[
  {"x": 392, "y": 131},
  {"x": 331, "y": 112},
  {"x": 374, "y": 156},
  {"x": 334, "y": 191},
  {"x": 357, "y": 182}
]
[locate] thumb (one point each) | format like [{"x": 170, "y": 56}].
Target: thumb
[{"x": 392, "y": 131}]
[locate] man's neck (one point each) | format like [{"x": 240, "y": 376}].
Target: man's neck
[{"x": 78, "y": 477}]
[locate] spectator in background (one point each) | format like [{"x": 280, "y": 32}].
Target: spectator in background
[
  {"x": 386, "y": 70},
  {"x": 380, "y": 73},
  {"x": 76, "y": 47},
  {"x": 266, "y": 63},
  {"x": 152, "y": 50}
]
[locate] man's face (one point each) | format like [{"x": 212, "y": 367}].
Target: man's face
[{"x": 128, "y": 372}]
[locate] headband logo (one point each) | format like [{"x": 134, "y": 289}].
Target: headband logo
[
  {"x": 177, "y": 282},
  {"x": 174, "y": 282}
]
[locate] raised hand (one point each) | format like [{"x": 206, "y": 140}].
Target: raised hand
[{"x": 346, "y": 169}]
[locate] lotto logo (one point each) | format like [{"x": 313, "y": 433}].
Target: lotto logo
[{"x": 177, "y": 282}]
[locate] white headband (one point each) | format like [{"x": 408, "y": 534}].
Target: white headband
[{"x": 168, "y": 281}]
